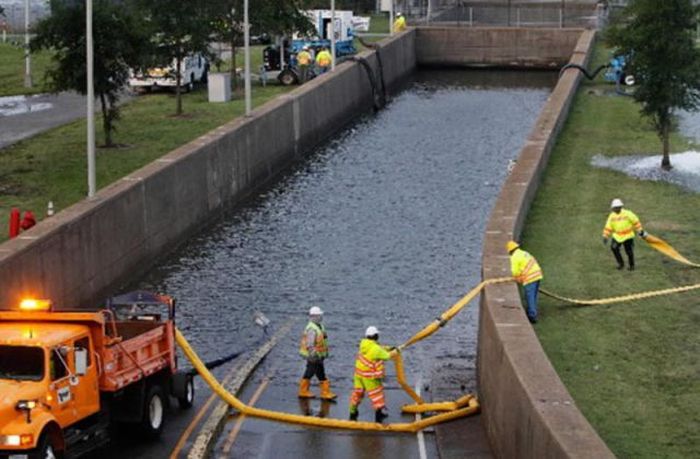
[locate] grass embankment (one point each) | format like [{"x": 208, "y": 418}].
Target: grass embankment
[
  {"x": 52, "y": 166},
  {"x": 12, "y": 70},
  {"x": 633, "y": 368}
]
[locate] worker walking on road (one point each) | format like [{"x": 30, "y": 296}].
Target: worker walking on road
[
  {"x": 399, "y": 23},
  {"x": 369, "y": 375},
  {"x": 622, "y": 224},
  {"x": 323, "y": 60},
  {"x": 528, "y": 273},
  {"x": 314, "y": 348},
  {"x": 304, "y": 60}
]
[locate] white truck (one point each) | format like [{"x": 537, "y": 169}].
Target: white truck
[{"x": 194, "y": 69}]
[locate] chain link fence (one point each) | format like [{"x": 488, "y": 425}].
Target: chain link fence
[{"x": 507, "y": 13}]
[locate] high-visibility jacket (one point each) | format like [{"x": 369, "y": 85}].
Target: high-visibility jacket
[
  {"x": 323, "y": 58},
  {"x": 622, "y": 226},
  {"x": 304, "y": 58},
  {"x": 370, "y": 360},
  {"x": 314, "y": 341},
  {"x": 400, "y": 24},
  {"x": 524, "y": 267}
]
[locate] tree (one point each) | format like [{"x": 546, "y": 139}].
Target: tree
[
  {"x": 658, "y": 38},
  {"x": 274, "y": 17},
  {"x": 118, "y": 41},
  {"x": 178, "y": 29}
]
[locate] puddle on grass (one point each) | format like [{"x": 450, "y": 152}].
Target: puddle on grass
[
  {"x": 19, "y": 105},
  {"x": 689, "y": 125},
  {"x": 685, "y": 172}
]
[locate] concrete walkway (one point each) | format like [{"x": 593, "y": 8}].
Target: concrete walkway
[{"x": 25, "y": 116}]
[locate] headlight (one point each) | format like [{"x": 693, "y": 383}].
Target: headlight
[
  {"x": 25, "y": 405},
  {"x": 17, "y": 440}
]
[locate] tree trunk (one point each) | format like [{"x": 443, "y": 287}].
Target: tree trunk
[
  {"x": 666, "y": 160},
  {"x": 106, "y": 121},
  {"x": 178, "y": 83}
]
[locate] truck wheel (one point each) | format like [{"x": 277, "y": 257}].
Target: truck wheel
[
  {"x": 153, "y": 412},
  {"x": 187, "y": 400},
  {"x": 288, "y": 78},
  {"x": 45, "y": 450}
]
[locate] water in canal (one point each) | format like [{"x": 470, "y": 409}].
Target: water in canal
[{"x": 382, "y": 226}]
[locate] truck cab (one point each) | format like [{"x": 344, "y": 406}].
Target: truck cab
[{"x": 65, "y": 377}]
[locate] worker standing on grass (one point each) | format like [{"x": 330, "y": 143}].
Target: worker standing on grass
[
  {"x": 622, "y": 224},
  {"x": 314, "y": 348},
  {"x": 399, "y": 23},
  {"x": 323, "y": 60},
  {"x": 369, "y": 375},
  {"x": 304, "y": 61},
  {"x": 528, "y": 273}
]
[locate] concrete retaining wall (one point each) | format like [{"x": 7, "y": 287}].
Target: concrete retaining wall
[
  {"x": 93, "y": 246},
  {"x": 498, "y": 46},
  {"x": 527, "y": 410}
]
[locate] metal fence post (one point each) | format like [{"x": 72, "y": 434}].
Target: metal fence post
[{"x": 471, "y": 17}]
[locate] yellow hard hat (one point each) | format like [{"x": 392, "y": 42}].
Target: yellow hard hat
[{"x": 511, "y": 245}]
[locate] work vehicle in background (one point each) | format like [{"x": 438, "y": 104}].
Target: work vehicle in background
[
  {"x": 194, "y": 69},
  {"x": 67, "y": 377},
  {"x": 279, "y": 60}
]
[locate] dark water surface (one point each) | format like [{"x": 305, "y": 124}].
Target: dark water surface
[{"x": 382, "y": 226}]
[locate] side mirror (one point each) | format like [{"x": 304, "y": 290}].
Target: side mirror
[{"x": 81, "y": 359}]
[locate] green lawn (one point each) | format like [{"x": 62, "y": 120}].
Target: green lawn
[
  {"x": 12, "y": 70},
  {"x": 633, "y": 368},
  {"x": 52, "y": 166}
]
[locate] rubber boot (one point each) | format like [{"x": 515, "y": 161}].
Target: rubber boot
[
  {"x": 380, "y": 415},
  {"x": 326, "y": 393},
  {"x": 304, "y": 386},
  {"x": 354, "y": 414}
]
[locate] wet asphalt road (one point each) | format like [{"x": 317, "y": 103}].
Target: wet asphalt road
[
  {"x": 382, "y": 226},
  {"x": 25, "y": 116}
]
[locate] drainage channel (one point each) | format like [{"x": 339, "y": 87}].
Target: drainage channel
[{"x": 382, "y": 226}]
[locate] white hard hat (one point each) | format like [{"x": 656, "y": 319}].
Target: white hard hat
[
  {"x": 616, "y": 203},
  {"x": 371, "y": 331},
  {"x": 306, "y": 47},
  {"x": 399, "y": 14},
  {"x": 315, "y": 311}
]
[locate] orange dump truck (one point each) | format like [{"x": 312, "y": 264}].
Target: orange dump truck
[{"x": 67, "y": 377}]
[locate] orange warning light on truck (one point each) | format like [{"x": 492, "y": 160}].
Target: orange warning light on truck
[{"x": 67, "y": 376}]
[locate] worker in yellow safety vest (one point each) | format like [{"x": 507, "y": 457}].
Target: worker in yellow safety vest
[
  {"x": 527, "y": 272},
  {"x": 314, "y": 349},
  {"x": 304, "y": 61},
  {"x": 369, "y": 375},
  {"x": 323, "y": 60},
  {"x": 621, "y": 225},
  {"x": 399, "y": 23}
]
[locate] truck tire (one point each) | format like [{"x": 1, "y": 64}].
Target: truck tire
[
  {"x": 46, "y": 450},
  {"x": 153, "y": 412},
  {"x": 187, "y": 400},
  {"x": 288, "y": 77}
]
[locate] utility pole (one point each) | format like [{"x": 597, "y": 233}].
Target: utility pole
[
  {"x": 27, "y": 58},
  {"x": 332, "y": 35},
  {"x": 391, "y": 17},
  {"x": 90, "y": 101},
  {"x": 246, "y": 39}
]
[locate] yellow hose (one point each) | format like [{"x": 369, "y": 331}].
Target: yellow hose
[
  {"x": 665, "y": 248},
  {"x": 622, "y": 298},
  {"x": 401, "y": 378},
  {"x": 412, "y": 427},
  {"x": 439, "y": 406}
]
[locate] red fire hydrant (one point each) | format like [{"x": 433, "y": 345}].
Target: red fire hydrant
[{"x": 14, "y": 222}]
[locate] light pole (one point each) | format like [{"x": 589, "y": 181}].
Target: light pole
[
  {"x": 27, "y": 58},
  {"x": 246, "y": 39},
  {"x": 391, "y": 17},
  {"x": 332, "y": 35},
  {"x": 90, "y": 100}
]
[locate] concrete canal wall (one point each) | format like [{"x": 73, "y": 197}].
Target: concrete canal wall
[
  {"x": 495, "y": 47},
  {"x": 527, "y": 410},
  {"x": 90, "y": 248}
]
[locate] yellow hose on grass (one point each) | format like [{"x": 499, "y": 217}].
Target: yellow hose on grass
[
  {"x": 665, "y": 248},
  {"x": 311, "y": 421}
]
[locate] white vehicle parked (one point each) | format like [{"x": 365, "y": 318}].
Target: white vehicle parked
[{"x": 194, "y": 69}]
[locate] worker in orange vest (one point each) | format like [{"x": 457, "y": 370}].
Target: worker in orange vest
[
  {"x": 369, "y": 375},
  {"x": 527, "y": 272},
  {"x": 314, "y": 349}
]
